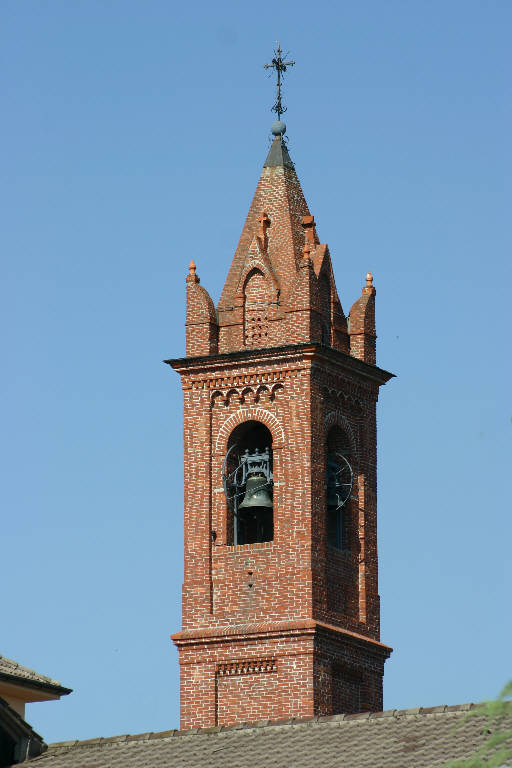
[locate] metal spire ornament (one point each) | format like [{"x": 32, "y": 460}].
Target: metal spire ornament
[{"x": 280, "y": 67}]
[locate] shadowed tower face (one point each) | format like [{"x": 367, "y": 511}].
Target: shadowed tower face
[{"x": 280, "y": 594}]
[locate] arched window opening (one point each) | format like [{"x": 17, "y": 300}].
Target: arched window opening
[
  {"x": 256, "y": 310},
  {"x": 248, "y": 483},
  {"x": 338, "y": 489}
]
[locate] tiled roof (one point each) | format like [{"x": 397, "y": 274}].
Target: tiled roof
[
  {"x": 415, "y": 738},
  {"x": 14, "y": 672}
]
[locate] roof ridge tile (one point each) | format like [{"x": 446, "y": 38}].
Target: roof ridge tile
[
  {"x": 358, "y": 716},
  {"x": 293, "y": 722},
  {"x": 12, "y": 667},
  {"x": 411, "y": 711}
]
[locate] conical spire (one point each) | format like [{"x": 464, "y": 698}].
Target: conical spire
[
  {"x": 280, "y": 287},
  {"x": 280, "y": 195}
]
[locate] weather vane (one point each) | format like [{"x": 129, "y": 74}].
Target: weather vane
[{"x": 280, "y": 66}]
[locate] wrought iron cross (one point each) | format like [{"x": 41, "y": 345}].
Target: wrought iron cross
[{"x": 280, "y": 66}]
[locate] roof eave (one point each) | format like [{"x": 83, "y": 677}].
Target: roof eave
[{"x": 23, "y": 682}]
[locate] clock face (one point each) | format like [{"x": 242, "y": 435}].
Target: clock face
[{"x": 339, "y": 480}]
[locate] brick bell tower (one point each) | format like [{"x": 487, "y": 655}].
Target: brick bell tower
[{"x": 280, "y": 596}]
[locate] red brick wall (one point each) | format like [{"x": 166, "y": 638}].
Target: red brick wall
[
  {"x": 299, "y": 394},
  {"x": 348, "y": 675},
  {"x": 289, "y": 627},
  {"x": 225, "y": 680}
]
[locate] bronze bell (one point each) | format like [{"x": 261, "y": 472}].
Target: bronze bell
[{"x": 256, "y": 493}]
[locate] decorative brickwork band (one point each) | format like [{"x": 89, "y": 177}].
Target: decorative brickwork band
[
  {"x": 246, "y": 667},
  {"x": 246, "y": 395},
  {"x": 250, "y": 414}
]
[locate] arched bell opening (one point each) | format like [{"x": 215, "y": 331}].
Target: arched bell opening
[
  {"x": 248, "y": 482},
  {"x": 338, "y": 489}
]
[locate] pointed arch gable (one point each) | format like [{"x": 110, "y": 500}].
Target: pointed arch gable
[{"x": 264, "y": 268}]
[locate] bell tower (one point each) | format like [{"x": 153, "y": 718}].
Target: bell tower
[{"x": 280, "y": 594}]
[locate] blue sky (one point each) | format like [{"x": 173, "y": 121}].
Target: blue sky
[{"x": 133, "y": 136}]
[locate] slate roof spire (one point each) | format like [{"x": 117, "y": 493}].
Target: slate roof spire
[{"x": 278, "y": 154}]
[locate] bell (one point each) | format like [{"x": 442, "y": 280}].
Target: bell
[{"x": 256, "y": 493}]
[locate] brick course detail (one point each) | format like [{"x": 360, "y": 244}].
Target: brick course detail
[{"x": 287, "y": 627}]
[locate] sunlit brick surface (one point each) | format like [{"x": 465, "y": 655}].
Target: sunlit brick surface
[{"x": 289, "y": 627}]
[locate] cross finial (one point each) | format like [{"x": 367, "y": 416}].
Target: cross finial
[{"x": 280, "y": 66}]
